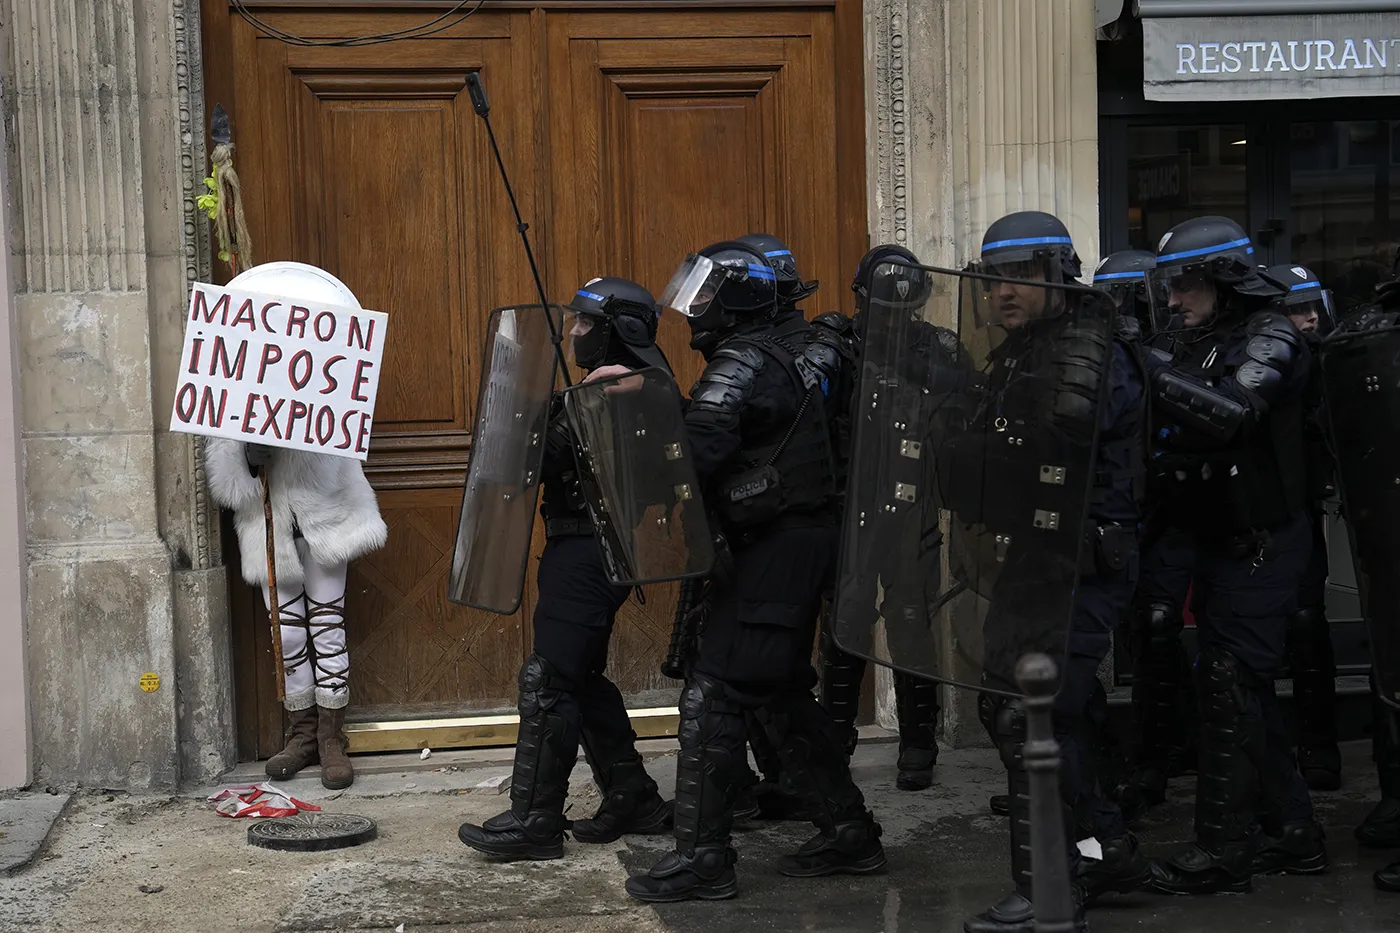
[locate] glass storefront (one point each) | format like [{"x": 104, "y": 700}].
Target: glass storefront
[
  {"x": 1344, "y": 181},
  {"x": 1179, "y": 172}
]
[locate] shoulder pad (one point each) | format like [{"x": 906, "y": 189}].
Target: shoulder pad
[
  {"x": 1128, "y": 328},
  {"x": 1275, "y": 325},
  {"x": 947, "y": 340},
  {"x": 834, "y": 321},
  {"x": 729, "y": 378}
]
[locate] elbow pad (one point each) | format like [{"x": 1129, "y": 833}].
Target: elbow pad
[{"x": 1193, "y": 404}]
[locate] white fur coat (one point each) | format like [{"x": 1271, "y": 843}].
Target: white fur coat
[{"x": 328, "y": 499}]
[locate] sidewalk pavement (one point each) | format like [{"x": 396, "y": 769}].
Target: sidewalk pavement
[{"x": 168, "y": 863}]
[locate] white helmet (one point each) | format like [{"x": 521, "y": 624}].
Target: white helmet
[{"x": 296, "y": 280}]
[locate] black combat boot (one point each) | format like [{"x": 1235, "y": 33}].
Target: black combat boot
[
  {"x": 848, "y": 838},
  {"x": 1005, "y": 722},
  {"x": 712, "y": 736},
  {"x": 1161, "y": 675},
  {"x": 916, "y": 701},
  {"x": 1297, "y": 848},
  {"x": 631, "y": 805},
  {"x": 545, "y": 751},
  {"x": 1233, "y": 739},
  {"x": 1315, "y": 698},
  {"x": 1121, "y": 870}
]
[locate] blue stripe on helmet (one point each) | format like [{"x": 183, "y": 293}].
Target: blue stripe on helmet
[
  {"x": 1030, "y": 241},
  {"x": 761, "y": 272},
  {"x": 582, "y": 293},
  {"x": 1306, "y": 285},
  {"x": 778, "y": 252},
  {"x": 1193, "y": 253},
  {"x": 1119, "y": 275}
]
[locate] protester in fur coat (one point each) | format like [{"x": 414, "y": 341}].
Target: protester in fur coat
[{"x": 324, "y": 515}]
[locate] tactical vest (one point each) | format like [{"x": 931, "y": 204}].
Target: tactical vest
[{"x": 792, "y": 471}]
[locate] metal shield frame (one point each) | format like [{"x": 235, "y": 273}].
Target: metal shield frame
[
  {"x": 638, "y": 478},
  {"x": 503, "y": 471},
  {"x": 965, "y": 521}
]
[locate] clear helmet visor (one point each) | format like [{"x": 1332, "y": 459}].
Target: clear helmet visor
[
  {"x": 1012, "y": 291},
  {"x": 693, "y": 286},
  {"x": 1310, "y": 309}
]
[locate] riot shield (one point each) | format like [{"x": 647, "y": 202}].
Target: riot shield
[
  {"x": 972, "y": 463},
  {"x": 503, "y": 470},
  {"x": 1360, "y": 371},
  {"x": 638, "y": 478}
]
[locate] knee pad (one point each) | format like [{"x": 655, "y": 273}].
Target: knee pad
[
  {"x": 1157, "y": 622},
  {"x": 540, "y": 685},
  {"x": 703, "y": 698}
]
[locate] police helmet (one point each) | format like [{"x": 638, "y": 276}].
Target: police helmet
[
  {"x": 1215, "y": 249},
  {"x": 1305, "y": 296},
  {"x": 624, "y": 317},
  {"x": 1021, "y": 244},
  {"x": 892, "y": 275},
  {"x": 1124, "y": 276},
  {"x": 791, "y": 288}
]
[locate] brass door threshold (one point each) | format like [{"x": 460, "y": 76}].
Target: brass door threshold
[{"x": 480, "y": 731}]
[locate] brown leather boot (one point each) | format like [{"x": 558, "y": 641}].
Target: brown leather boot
[
  {"x": 336, "y": 771},
  {"x": 301, "y": 746}
]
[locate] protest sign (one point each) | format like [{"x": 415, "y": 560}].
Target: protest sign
[{"x": 265, "y": 370}]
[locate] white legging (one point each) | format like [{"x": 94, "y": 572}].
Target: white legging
[{"x": 314, "y": 654}]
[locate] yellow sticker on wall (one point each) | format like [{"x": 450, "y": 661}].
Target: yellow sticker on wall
[{"x": 150, "y": 682}]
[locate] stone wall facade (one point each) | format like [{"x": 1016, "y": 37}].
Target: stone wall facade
[{"x": 103, "y": 107}]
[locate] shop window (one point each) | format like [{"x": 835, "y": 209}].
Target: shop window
[
  {"x": 1346, "y": 220},
  {"x": 1177, "y": 172}
]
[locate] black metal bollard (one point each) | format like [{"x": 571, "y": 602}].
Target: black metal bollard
[{"x": 1050, "y": 882}]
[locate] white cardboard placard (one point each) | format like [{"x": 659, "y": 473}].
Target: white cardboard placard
[{"x": 263, "y": 369}]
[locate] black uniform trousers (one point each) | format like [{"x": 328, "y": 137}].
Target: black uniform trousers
[
  {"x": 754, "y": 658},
  {"x": 1245, "y": 592},
  {"x": 573, "y": 624}
]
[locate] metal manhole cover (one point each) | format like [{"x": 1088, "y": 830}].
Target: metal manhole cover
[{"x": 312, "y": 832}]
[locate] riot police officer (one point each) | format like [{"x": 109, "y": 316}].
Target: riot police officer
[
  {"x": 565, "y": 696},
  {"x": 906, "y": 594},
  {"x": 1310, "y": 653},
  {"x": 762, "y": 450},
  {"x": 1164, "y": 718},
  {"x": 1360, "y": 417},
  {"x": 1053, "y": 362},
  {"x": 1124, "y": 276},
  {"x": 1232, "y": 403}
]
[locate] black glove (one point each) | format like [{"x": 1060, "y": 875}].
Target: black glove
[{"x": 257, "y": 455}]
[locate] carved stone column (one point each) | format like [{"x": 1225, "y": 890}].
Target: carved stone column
[
  {"x": 105, "y": 140},
  {"x": 977, "y": 108}
]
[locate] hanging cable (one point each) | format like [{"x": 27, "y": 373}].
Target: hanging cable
[{"x": 431, "y": 27}]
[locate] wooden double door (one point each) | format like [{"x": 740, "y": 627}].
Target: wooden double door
[{"x": 633, "y": 133}]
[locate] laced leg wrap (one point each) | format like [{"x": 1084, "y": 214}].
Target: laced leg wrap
[
  {"x": 296, "y": 647},
  {"x": 841, "y": 675},
  {"x": 546, "y": 747},
  {"x": 712, "y": 734},
  {"x": 325, "y": 615},
  {"x": 810, "y": 746}
]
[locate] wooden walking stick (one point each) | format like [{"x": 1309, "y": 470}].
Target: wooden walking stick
[{"x": 274, "y": 604}]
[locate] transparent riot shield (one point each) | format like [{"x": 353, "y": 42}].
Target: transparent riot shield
[
  {"x": 503, "y": 471},
  {"x": 638, "y": 478},
  {"x": 1360, "y": 372},
  {"x": 972, "y": 463}
]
